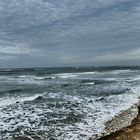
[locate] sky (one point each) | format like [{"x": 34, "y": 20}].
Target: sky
[{"x": 49, "y": 33}]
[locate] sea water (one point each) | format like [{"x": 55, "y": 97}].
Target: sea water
[{"x": 64, "y": 103}]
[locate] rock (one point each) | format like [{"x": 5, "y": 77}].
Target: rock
[
  {"x": 65, "y": 85},
  {"x": 52, "y": 138},
  {"x": 22, "y": 138},
  {"x": 91, "y": 101},
  {"x": 39, "y": 98},
  {"x": 18, "y": 129},
  {"x": 35, "y": 137},
  {"x": 72, "y": 118}
]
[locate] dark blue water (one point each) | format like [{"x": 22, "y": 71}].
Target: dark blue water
[{"x": 64, "y": 103}]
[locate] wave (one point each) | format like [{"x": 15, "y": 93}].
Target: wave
[
  {"x": 87, "y": 73},
  {"x": 6, "y": 70},
  {"x": 37, "y": 77},
  {"x": 73, "y": 75},
  {"x": 98, "y": 96},
  {"x": 98, "y": 81},
  {"x": 90, "y": 83},
  {"x": 76, "y": 74},
  {"x": 5, "y": 101},
  {"x": 96, "y": 112},
  {"x": 32, "y": 79},
  {"x": 66, "y": 75},
  {"x": 133, "y": 79},
  {"x": 121, "y": 71}
]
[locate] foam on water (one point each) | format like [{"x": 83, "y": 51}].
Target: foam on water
[
  {"x": 96, "y": 114},
  {"x": 66, "y": 75},
  {"x": 32, "y": 79},
  {"x": 36, "y": 77},
  {"x": 90, "y": 83},
  {"x": 75, "y": 111},
  {"x": 87, "y": 73},
  {"x": 120, "y": 71},
  {"x": 23, "y": 79},
  {"x": 73, "y": 75},
  {"x": 137, "y": 78},
  {"x": 5, "y": 101}
]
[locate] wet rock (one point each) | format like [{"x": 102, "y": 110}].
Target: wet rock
[
  {"x": 65, "y": 85},
  {"x": 52, "y": 138},
  {"x": 35, "y": 137},
  {"x": 31, "y": 121},
  {"x": 39, "y": 98},
  {"x": 100, "y": 99},
  {"x": 18, "y": 117},
  {"x": 19, "y": 129},
  {"x": 33, "y": 111},
  {"x": 22, "y": 138},
  {"x": 4, "y": 131},
  {"x": 47, "y": 78},
  {"x": 51, "y": 131},
  {"x": 91, "y": 101},
  {"x": 33, "y": 134},
  {"x": 40, "y": 132},
  {"x": 72, "y": 118},
  {"x": 11, "y": 118}
]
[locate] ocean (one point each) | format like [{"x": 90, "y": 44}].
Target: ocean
[{"x": 71, "y": 103}]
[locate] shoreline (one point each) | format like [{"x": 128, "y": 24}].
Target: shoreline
[{"x": 130, "y": 131}]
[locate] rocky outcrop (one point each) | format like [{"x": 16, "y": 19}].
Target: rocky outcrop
[{"x": 131, "y": 132}]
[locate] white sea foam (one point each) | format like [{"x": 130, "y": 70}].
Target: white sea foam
[
  {"x": 120, "y": 71},
  {"x": 12, "y": 109},
  {"x": 90, "y": 83},
  {"x": 76, "y": 74},
  {"x": 36, "y": 77},
  {"x": 6, "y": 70},
  {"x": 95, "y": 110},
  {"x": 91, "y": 125},
  {"x": 136, "y": 78},
  {"x": 5, "y": 101},
  {"x": 27, "y": 79},
  {"x": 73, "y": 75},
  {"x": 87, "y": 73},
  {"x": 66, "y": 75},
  {"x": 32, "y": 79},
  {"x": 96, "y": 113}
]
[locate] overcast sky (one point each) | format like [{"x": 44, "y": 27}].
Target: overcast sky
[{"x": 69, "y": 32}]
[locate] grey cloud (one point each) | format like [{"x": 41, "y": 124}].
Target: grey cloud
[
  {"x": 68, "y": 32},
  {"x": 26, "y": 13}
]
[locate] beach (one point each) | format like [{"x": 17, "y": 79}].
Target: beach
[{"x": 130, "y": 132}]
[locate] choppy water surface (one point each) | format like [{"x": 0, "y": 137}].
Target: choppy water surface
[{"x": 64, "y": 103}]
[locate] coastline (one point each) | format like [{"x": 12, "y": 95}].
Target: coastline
[{"x": 125, "y": 126}]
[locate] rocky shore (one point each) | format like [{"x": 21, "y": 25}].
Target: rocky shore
[{"x": 125, "y": 126}]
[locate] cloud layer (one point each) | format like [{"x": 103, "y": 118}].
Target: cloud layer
[{"x": 69, "y": 32}]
